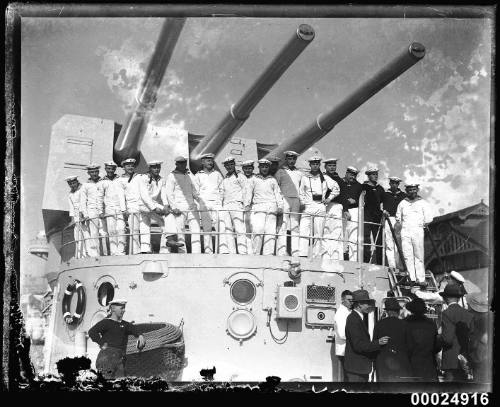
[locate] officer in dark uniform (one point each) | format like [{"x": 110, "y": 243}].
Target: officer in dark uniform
[
  {"x": 111, "y": 334},
  {"x": 352, "y": 191},
  {"x": 373, "y": 215},
  {"x": 390, "y": 201}
]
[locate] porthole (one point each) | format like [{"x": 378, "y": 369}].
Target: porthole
[
  {"x": 243, "y": 291},
  {"x": 105, "y": 293}
]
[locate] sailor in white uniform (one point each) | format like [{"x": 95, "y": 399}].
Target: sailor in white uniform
[
  {"x": 180, "y": 194},
  {"x": 316, "y": 192},
  {"x": 334, "y": 228},
  {"x": 263, "y": 197},
  {"x": 80, "y": 231},
  {"x": 92, "y": 208},
  {"x": 208, "y": 183},
  {"x": 233, "y": 188},
  {"x": 114, "y": 208},
  {"x": 247, "y": 167},
  {"x": 288, "y": 178},
  {"x": 414, "y": 213},
  {"x": 130, "y": 182}
]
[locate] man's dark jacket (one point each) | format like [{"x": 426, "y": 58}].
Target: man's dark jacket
[
  {"x": 359, "y": 350},
  {"x": 456, "y": 325}
]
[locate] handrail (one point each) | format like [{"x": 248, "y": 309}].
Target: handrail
[{"x": 217, "y": 233}]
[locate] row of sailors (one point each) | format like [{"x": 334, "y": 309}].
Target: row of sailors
[{"x": 322, "y": 205}]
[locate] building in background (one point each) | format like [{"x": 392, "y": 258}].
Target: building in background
[{"x": 461, "y": 239}]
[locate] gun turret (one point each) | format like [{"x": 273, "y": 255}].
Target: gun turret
[
  {"x": 129, "y": 140},
  {"x": 324, "y": 123},
  {"x": 215, "y": 141}
]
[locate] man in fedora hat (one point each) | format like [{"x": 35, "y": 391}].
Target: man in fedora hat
[
  {"x": 360, "y": 350},
  {"x": 111, "y": 334},
  {"x": 480, "y": 355},
  {"x": 423, "y": 343},
  {"x": 456, "y": 324},
  {"x": 392, "y": 364}
]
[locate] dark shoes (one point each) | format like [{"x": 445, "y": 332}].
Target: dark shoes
[{"x": 171, "y": 243}]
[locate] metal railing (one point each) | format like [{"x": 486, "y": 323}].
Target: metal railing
[{"x": 318, "y": 244}]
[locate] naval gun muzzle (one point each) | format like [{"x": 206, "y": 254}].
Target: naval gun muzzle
[
  {"x": 128, "y": 143},
  {"x": 215, "y": 141},
  {"x": 324, "y": 123}
]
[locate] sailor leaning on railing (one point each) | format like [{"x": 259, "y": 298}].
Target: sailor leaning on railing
[{"x": 252, "y": 213}]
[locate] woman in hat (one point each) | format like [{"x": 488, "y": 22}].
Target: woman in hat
[
  {"x": 392, "y": 364},
  {"x": 423, "y": 344},
  {"x": 480, "y": 346}
]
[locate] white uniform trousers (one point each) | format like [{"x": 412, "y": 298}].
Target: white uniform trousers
[
  {"x": 351, "y": 235},
  {"x": 210, "y": 216},
  {"x": 312, "y": 226},
  {"x": 412, "y": 241},
  {"x": 232, "y": 216},
  {"x": 264, "y": 227},
  {"x": 96, "y": 231},
  {"x": 134, "y": 230},
  {"x": 333, "y": 233},
  {"x": 289, "y": 222},
  {"x": 145, "y": 229},
  {"x": 248, "y": 228},
  {"x": 391, "y": 250},
  {"x": 115, "y": 228},
  {"x": 192, "y": 218},
  {"x": 81, "y": 234}
]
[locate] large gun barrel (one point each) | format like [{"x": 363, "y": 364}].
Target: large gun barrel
[
  {"x": 215, "y": 141},
  {"x": 129, "y": 140},
  {"x": 324, "y": 123}
]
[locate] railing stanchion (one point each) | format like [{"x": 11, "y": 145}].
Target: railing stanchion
[{"x": 361, "y": 226}]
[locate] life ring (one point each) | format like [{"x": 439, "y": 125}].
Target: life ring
[{"x": 80, "y": 305}]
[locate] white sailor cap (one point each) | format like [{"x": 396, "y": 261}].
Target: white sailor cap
[
  {"x": 228, "y": 160},
  {"x": 155, "y": 162},
  {"x": 273, "y": 159},
  {"x": 457, "y": 276},
  {"x": 247, "y": 163},
  {"x": 180, "y": 158},
  {"x": 71, "y": 178},
  {"x": 207, "y": 155},
  {"x": 371, "y": 170},
  {"x": 330, "y": 160},
  {"x": 289, "y": 152},
  {"x": 129, "y": 161},
  {"x": 352, "y": 169},
  {"x": 411, "y": 184},
  {"x": 264, "y": 161},
  {"x": 314, "y": 158},
  {"x": 93, "y": 166},
  {"x": 110, "y": 164},
  {"x": 117, "y": 302},
  {"x": 395, "y": 179}
]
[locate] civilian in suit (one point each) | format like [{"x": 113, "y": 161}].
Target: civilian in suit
[
  {"x": 456, "y": 325},
  {"x": 360, "y": 350},
  {"x": 392, "y": 364},
  {"x": 423, "y": 343}
]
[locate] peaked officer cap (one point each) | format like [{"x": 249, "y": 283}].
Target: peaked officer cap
[
  {"x": 371, "y": 170},
  {"x": 110, "y": 164},
  {"x": 264, "y": 161},
  {"x": 207, "y": 155},
  {"x": 411, "y": 184},
  {"x": 330, "y": 160},
  {"x": 118, "y": 302},
  {"x": 155, "y": 162},
  {"x": 129, "y": 161},
  {"x": 180, "y": 158},
  {"x": 247, "y": 162},
  {"x": 352, "y": 170},
  {"x": 314, "y": 158},
  {"x": 71, "y": 178},
  {"x": 290, "y": 152},
  {"x": 395, "y": 179},
  {"x": 457, "y": 276}
]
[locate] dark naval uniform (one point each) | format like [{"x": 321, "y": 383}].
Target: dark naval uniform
[
  {"x": 373, "y": 214},
  {"x": 390, "y": 202},
  {"x": 351, "y": 190},
  {"x": 111, "y": 361}
]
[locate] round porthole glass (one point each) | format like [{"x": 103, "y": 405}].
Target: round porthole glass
[
  {"x": 105, "y": 293},
  {"x": 241, "y": 324},
  {"x": 243, "y": 291}
]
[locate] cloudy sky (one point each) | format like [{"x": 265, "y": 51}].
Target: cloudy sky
[{"x": 432, "y": 124}]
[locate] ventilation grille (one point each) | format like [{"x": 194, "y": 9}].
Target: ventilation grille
[{"x": 320, "y": 294}]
